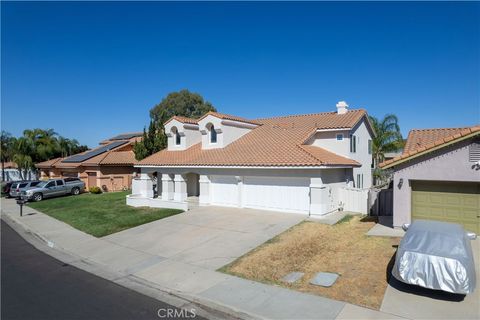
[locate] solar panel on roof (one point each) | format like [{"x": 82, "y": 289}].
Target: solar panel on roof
[
  {"x": 94, "y": 152},
  {"x": 126, "y": 136}
]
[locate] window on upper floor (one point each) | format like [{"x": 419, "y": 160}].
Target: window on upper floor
[
  {"x": 178, "y": 138},
  {"x": 340, "y": 137},
  {"x": 353, "y": 143},
  {"x": 369, "y": 146},
  {"x": 213, "y": 134}
]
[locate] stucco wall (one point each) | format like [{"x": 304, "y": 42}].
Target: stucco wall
[
  {"x": 323, "y": 183},
  {"x": 190, "y": 135},
  {"x": 328, "y": 140},
  {"x": 227, "y": 131},
  {"x": 362, "y": 155},
  {"x": 447, "y": 164}
]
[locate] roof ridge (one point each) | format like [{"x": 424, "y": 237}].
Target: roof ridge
[
  {"x": 437, "y": 143},
  {"x": 453, "y": 128},
  {"x": 307, "y": 114}
]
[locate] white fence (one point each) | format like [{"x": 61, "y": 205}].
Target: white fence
[{"x": 355, "y": 200}]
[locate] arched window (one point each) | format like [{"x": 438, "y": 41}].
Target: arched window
[
  {"x": 213, "y": 134},
  {"x": 178, "y": 138}
]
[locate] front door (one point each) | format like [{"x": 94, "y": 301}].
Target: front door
[{"x": 92, "y": 179}]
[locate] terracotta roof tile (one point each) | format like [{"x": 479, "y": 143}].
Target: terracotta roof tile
[
  {"x": 48, "y": 163},
  {"x": 277, "y": 142},
  {"x": 119, "y": 157},
  {"x": 329, "y": 158},
  {"x": 423, "y": 140},
  {"x": 421, "y": 137},
  {"x": 228, "y": 117},
  {"x": 182, "y": 120}
]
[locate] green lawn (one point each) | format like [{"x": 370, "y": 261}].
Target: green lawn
[{"x": 99, "y": 214}]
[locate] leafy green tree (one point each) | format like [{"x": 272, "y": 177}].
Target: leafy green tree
[
  {"x": 36, "y": 145},
  {"x": 6, "y": 149},
  {"x": 24, "y": 151},
  {"x": 44, "y": 142},
  {"x": 183, "y": 103},
  {"x": 68, "y": 147},
  {"x": 388, "y": 139},
  {"x": 153, "y": 141}
]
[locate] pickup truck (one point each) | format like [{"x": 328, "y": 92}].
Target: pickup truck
[{"x": 53, "y": 188}]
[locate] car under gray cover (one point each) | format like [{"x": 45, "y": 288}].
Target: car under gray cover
[{"x": 436, "y": 255}]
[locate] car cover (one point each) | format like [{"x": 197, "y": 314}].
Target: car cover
[{"x": 436, "y": 255}]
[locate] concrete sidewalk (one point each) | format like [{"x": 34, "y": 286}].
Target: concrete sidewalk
[{"x": 181, "y": 282}]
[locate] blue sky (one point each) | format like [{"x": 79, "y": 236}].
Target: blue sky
[{"x": 91, "y": 70}]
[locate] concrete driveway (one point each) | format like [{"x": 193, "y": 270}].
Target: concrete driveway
[
  {"x": 208, "y": 237},
  {"x": 413, "y": 302}
]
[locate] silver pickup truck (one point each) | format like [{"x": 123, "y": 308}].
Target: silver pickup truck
[{"x": 53, "y": 188}]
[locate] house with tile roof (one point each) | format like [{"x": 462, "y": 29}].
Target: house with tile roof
[
  {"x": 438, "y": 177},
  {"x": 109, "y": 166},
  {"x": 297, "y": 163}
]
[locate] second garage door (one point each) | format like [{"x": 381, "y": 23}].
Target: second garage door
[
  {"x": 447, "y": 201},
  {"x": 277, "y": 193}
]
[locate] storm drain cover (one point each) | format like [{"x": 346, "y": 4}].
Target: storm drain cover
[
  {"x": 292, "y": 277},
  {"x": 324, "y": 279}
]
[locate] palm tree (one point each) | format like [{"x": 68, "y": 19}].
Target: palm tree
[
  {"x": 6, "y": 149},
  {"x": 45, "y": 143},
  {"x": 388, "y": 139},
  {"x": 24, "y": 149}
]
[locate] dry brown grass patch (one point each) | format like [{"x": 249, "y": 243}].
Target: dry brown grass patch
[{"x": 311, "y": 247}]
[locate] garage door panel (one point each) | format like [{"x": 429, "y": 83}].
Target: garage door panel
[
  {"x": 471, "y": 202},
  {"x": 277, "y": 193},
  {"x": 224, "y": 190},
  {"x": 451, "y": 202}
]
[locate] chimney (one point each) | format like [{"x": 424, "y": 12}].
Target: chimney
[{"x": 342, "y": 107}]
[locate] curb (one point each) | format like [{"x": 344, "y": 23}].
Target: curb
[{"x": 204, "y": 307}]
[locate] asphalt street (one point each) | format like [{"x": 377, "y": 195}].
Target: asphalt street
[{"x": 36, "y": 286}]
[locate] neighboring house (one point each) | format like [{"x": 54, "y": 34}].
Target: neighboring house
[
  {"x": 109, "y": 166},
  {"x": 299, "y": 163},
  {"x": 438, "y": 177},
  {"x": 10, "y": 170}
]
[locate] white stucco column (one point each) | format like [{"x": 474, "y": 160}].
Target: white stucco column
[
  {"x": 167, "y": 187},
  {"x": 320, "y": 198},
  {"x": 143, "y": 186},
  {"x": 180, "y": 193},
  {"x": 204, "y": 182}
]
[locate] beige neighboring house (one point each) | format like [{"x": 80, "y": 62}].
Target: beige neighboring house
[
  {"x": 438, "y": 177},
  {"x": 307, "y": 164},
  {"x": 110, "y": 166}
]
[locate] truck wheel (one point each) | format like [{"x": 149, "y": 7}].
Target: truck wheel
[
  {"x": 38, "y": 197},
  {"x": 76, "y": 191}
]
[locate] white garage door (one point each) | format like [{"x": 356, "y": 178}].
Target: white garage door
[
  {"x": 275, "y": 193},
  {"x": 224, "y": 190}
]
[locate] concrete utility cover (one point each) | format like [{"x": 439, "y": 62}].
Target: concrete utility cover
[
  {"x": 324, "y": 279},
  {"x": 292, "y": 277}
]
